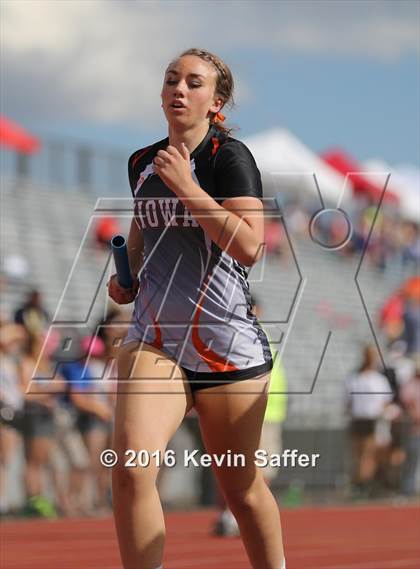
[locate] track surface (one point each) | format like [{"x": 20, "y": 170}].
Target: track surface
[{"x": 380, "y": 537}]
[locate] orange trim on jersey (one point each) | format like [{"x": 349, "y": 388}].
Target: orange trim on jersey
[
  {"x": 157, "y": 342},
  {"x": 215, "y": 361},
  {"x": 139, "y": 155},
  {"x": 215, "y": 142}
]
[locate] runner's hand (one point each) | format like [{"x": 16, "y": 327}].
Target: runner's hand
[{"x": 122, "y": 295}]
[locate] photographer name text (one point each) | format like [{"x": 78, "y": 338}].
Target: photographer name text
[{"x": 130, "y": 458}]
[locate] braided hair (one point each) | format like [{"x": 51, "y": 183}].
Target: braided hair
[{"x": 224, "y": 83}]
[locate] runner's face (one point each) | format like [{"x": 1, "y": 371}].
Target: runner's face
[{"x": 190, "y": 82}]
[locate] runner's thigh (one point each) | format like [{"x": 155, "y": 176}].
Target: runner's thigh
[
  {"x": 153, "y": 397},
  {"x": 231, "y": 418}
]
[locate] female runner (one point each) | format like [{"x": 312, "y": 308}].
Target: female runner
[{"x": 197, "y": 223}]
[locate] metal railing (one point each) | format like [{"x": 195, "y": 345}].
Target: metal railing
[{"x": 69, "y": 164}]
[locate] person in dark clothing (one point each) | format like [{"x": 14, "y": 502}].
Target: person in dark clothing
[{"x": 32, "y": 315}]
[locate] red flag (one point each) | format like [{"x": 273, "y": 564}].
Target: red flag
[{"x": 14, "y": 136}]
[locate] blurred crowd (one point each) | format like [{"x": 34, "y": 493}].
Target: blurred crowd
[
  {"x": 391, "y": 242},
  {"x": 383, "y": 405},
  {"x": 60, "y": 409},
  {"x": 57, "y": 403},
  {"x": 383, "y": 401}
]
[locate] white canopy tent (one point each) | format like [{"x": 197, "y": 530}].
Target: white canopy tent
[
  {"x": 287, "y": 165},
  {"x": 404, "y": 181},
  {"x": 410, "y": 176}
]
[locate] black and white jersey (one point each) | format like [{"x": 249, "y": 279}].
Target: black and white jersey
[{"x": 194, "y": 299}]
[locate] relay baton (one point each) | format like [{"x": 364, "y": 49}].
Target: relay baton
[{"x": 119, "y": 250}]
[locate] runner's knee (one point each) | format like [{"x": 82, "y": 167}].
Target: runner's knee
[
  {"x": 134, "y": 479},
  {"x": 246, "y": 499}
]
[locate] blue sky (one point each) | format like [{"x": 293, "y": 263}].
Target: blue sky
[
  {"x": 334, "y": 73},
  {"x": 369, "y": 107}
]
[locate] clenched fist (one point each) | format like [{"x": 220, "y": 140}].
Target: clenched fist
[{"x": 122, "y": 295}]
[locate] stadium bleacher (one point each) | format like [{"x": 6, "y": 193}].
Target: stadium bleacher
[{"x": 54, "y": 231}]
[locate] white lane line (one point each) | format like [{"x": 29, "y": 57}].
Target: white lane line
[{"x": 375, "y": 564}]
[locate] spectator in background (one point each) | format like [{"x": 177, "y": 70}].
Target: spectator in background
[
  {"x": 32, "y": 315},
  {"x": 358, "y": 237},
  {"x": 96, "y": 431},
  {"x": 12, "y": 337},
  {"x": 411, "y": 248},
  {"x": 387, "y": 253},
  {"x": 70, "y": 450},
  {"x": 400, "y": 315},
  {"x": 274, "y": 237},
  {"x": 38, "y": 422},
  {"x": 106, "y": 228},
  {"x": 276, "y": 410},
  {"x": 399, "y": 371},
  {"x": 392, "y": 244},
  {"x": 112, "y": 331},
  {"x": 410, "y": 398},
  {"x": 391, "y": 316},
  {"x": 411, "y": 317},
  {"x": 94, "y": 413},
  {"x": 297, "y": 218},
  {"x": 402, "y": 365},
  {"x": 367, "y": 394}
]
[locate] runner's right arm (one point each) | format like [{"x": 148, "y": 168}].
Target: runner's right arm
[{"x": 135, "y": 245}]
